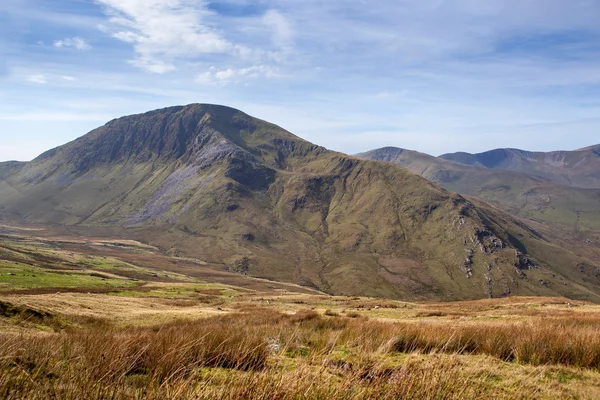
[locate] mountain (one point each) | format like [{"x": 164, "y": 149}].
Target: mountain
[
  {"x": 595, "y": 148},
  {"x": 580, "y": 168},
  {"x": 528, "y": 196},
  {"x": 6, "y": 170},
  {"x": 213, "y": 183}
]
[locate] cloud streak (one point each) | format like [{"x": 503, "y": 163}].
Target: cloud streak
[
  {"x": 75, "y": 42},
  {"x": 232, "y": 75},
  {"x": 38, "y": 78}
]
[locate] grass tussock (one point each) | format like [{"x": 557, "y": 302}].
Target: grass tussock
[
  {"x": 536, "y": 344},
  {"x": 268, "y": 354}
]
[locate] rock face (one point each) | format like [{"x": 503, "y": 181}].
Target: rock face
[{"x": 214, "y": 183}]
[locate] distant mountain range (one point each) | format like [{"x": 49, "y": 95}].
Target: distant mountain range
[
  {"x": 560, "y": 188},
  {"x": 580, "y": 168},
  {"x": 213, "y": 183}
]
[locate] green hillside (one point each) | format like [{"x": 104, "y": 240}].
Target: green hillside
[
  {"x": 214, "y": 183},
  {"x": 527, "y": 196}
]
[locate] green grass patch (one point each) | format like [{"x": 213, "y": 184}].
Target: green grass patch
[
  {"x": 19, "y": 276},
  {"x": 187, "y": 291},
  {"x": 119, "y": 267}
]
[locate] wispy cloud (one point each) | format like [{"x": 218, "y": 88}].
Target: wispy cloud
[
  {"x": 282, "y": 31},
  {"x": 38, "y": 78},
  {"x": 75, "y": 42},
  {"x": 163, "y": 32},
  {"x": 230, "y": 75}
]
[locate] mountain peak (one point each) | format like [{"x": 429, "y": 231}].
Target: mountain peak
[
  {"x": 195, "y": 134},
  {"x": 383, "y": 152}
]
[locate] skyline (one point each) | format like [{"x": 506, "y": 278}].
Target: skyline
[{"x": 433, "y": 76}]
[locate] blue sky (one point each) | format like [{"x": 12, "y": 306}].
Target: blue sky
[{"x": 352, "y": 75}]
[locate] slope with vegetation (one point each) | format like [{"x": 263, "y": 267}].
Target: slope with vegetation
[
  {"x": 214, "y": 183},
  {"x": 285, "y": 345},
  {"x": 84, "y": 317},
  {"x": 520, "y": 194}
]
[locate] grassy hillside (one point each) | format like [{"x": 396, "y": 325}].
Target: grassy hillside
[
  {"x": 216, "y": 184},
  {"x": 527, "y": 196},
  {"x": 6, "y": 170},
  {"x": 255, "y": 352}
]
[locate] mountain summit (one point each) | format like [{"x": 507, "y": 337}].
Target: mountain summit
[{"x": 213, "y": 183}]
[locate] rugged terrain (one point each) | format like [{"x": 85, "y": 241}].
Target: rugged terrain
[
  {"x": 572, "y": 209},
  {"x": 214, "y": 184}
]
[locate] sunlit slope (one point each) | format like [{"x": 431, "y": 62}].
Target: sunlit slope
[
  {"x": 215, "y": 183},
  {"x": 524, "y": 195}
]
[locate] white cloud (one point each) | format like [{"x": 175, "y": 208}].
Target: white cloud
[
  {"x": 74, "y": 42},
  {"x": 38, "y": 78},
  {"x": 163, "y": 31},
  {"x": 282, "y": 31},
  {"x": 232, "y": 75},
  {"x": 43, "y": 79},
  {"x": 152, "y": 65}
]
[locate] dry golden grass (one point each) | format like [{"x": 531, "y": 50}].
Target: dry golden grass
[
  {"x": 265, "y": 354},
  {"x": 188, "y": 340},
  {"x": 565, "y": 342},
  {"x": 219, "y": 344},
  {"x": 117, "y": 309},
  {"x": 224, "y": 357}
]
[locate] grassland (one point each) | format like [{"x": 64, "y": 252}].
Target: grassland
[
  {"x": 297, "y": 346},
  {"x": 94, "y": 324}
]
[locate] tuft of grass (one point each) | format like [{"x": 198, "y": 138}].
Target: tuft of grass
[
  {"x": 353, "y": 314},
  {"x": 229, "y": 356},
  {"x": 9, "y": 310},
  {"x": 560, "y": 342},
  {"x": 262, "y": 353}
]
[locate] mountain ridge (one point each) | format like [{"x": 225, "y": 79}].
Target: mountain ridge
[
  {"x": 214, "y": 183},
  {"x": 579, "y": 168},
  {"x": 521, "y": 194}
]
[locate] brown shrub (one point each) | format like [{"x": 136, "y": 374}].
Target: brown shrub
[
  {"x": 536, "y": 344},
  {"x": 331, "y": 313}
]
